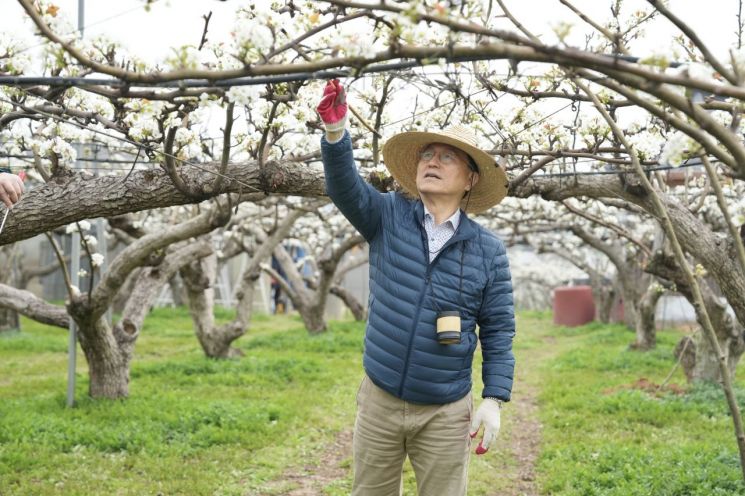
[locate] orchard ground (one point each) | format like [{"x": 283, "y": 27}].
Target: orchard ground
[{"x": 587, "y": 417}]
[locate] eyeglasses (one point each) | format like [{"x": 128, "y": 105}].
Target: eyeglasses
[{"x": 446, "y": 157}]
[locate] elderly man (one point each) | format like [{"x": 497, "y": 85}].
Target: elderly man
[
  {"x": 11, "y": 188},
  {"x": 435, "y": 275}
]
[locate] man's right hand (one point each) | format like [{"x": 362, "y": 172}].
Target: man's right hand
[
  {"x": 333, "y": 109},
  {"x": 11, "y": 189}
]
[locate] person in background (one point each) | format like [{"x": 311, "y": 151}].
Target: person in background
[
  {"x": 11, "y": 188},
  {"x": 435, "y": 275}
]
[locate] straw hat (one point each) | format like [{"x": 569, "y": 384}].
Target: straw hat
[{"x": 401, "y": 156}]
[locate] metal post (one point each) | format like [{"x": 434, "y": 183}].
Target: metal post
[
  {"x": 72, "y": 347},
  {"x": 103, "y": 249},
  {"x": 81, "y": 17}
]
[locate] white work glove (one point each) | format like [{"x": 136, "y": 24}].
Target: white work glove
[{"x": 489, "y": 414}]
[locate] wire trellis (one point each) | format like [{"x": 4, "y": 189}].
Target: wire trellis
[{"x": 320, "y": 75}]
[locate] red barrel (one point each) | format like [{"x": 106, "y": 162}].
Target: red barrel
[{"x": 573, "y": 305}]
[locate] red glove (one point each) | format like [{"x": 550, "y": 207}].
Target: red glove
[{"x": 333, "y": 106}]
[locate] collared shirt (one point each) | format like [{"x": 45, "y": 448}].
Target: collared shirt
[{"x": 437, "y": 236}]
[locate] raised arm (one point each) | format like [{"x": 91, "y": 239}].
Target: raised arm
[{"x": 360, "y": 203}]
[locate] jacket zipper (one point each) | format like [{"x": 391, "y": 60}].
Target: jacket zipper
[{"x": 427, "y": 282}]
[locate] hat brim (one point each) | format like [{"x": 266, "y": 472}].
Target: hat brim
[{"x": 401, "y": 157}]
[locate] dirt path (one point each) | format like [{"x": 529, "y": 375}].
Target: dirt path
[
  {"x": 521, "y": 438},
  {"x": 312, "y": 478},
  {"x": 524, "y": 440},
  {"x": 524, "y": 443}
]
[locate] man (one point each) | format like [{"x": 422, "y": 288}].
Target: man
[
  {"x": 434, "y": 276},
  {"x": 11, "y": 188}
]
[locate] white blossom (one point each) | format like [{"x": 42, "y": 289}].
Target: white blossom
[
  {"x": 185, "y": 57},
  {"x": 186, "y": 136},
  {"x": 64, "y": 151},
  {"x": 354, "y": 42},
  {"x": 675, "y": 150},
  {"x": 244, "y": 95},
  {"x": 97, "y": 259},
  {"x": 91, "y": 241},
  {"x": 252, "y": 35}
]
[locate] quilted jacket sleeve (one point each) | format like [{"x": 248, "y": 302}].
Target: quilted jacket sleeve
[
  {"x": 497, "y": 329},
  {"x": 360, "y": 203}
]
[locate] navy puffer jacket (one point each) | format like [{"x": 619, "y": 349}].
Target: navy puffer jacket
[{"x": 402, "y": 354}]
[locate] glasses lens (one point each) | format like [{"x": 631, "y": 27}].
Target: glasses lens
[{"x": 447, "y": 158}]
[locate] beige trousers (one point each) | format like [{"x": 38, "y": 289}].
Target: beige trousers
[{"x": 435, "y": 437}]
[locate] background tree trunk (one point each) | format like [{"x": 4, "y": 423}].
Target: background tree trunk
[
  {"x": 606, "y": 297},
  {"x": 359, "y": 311},
  {"x": 646, "y": 330},
  {"x": 199, "y": 280},
  {"x": 178, "y": 292},
  {"x": 701, "y": 363},
  {"x": 9, "y": 320},
  {"x": 108, "y": 368}
]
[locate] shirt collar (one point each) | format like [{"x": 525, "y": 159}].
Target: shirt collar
[{"x": 453, "y": 219}]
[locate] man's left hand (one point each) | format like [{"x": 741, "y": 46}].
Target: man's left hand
[{"x": 489, "y": 414}]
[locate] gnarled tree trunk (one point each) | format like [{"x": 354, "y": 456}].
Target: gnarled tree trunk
[
  {"x": 108, "y": 364},
  {"x": 700, "y": 362},
  {"x": 646, "y": 331},
  {"x": 313, "y": 318},
  {"x": 359, "y": 311},
  {"x": 605, "y": 296},
  {"x": 8, "y": 320},
  {"x": 309, "y": 297},
  {"x": 109, "y": 350},
  {"x": 199, "y": 280}
]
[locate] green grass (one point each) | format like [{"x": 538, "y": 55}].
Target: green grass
[
  {"x": 196, "y": 426},
  {"x": 604, "y": 437},
  {"x": 191, "y": 426}
]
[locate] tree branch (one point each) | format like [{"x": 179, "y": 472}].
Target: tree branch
[
  {"x": 137, "y": 253},
  {"x": 698, "y": 42},
  {"x": 33, "y": 307},
  {"x": 538, "y": 165},
  {"x": 225, "y": 160},
  {"x": 613, "y": 227}
]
